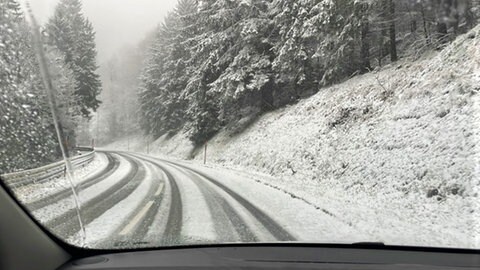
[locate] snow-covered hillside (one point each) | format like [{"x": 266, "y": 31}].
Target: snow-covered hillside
[{"x": 394, "y": 152}]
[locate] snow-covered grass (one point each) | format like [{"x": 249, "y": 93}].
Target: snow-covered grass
[{"x": 394, "y": 153}]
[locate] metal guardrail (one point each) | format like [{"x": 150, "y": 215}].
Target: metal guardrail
[{"x": 45, "y": 173}]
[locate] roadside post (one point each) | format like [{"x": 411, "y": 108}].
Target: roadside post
[{"x": 205, "y": 153}]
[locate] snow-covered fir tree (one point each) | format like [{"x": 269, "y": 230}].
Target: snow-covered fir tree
[
  {"x": 221, "y": 61},
  {"x": 73, "y": 35},
  {"x": 25, "y": 118}
]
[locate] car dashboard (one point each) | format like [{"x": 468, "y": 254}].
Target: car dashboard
[{"x": 281, "y": 257}]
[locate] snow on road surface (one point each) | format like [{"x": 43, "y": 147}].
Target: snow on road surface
[
  {"x": 109, "y": 222},
  {"x": 197, "y": 221},
  {"x": 209, "y": 211},
  {"x": 56, "y": 209},
  {"x": 303, "y": 221}
]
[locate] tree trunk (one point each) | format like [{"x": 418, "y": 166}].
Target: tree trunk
[
  {"x": 267, "y": 96},
  {"x": 65, "y": 140},
  {"x": 413, "y": 26},
  {"x": 442, "y": 31},
  {"x": 425, "y": 27},
  {"x": 365, "y": 47},
  {"x": 413, "y": 20},
  {"x": 469, "y": 16},
  {"x": 455, "y": 16},
  {"x": 442, "y": 15},
  {"x": 392, "y": 31}
]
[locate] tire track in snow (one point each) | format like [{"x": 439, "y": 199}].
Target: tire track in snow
[
  {"x": 145, "y": 216},
  {"x": 272, "y": 226},
  {"x": 134, "y": 231},
  {"x": 66, "y": 224},
  {"x": 120, "y": 225},
  {"x": 229, "y": 225},
  {"x": 65, "y": 193},
  {"x": 173, "y": 229},
  {"x": 277, "y": 231}
]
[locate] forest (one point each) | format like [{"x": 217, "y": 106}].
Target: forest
[
  {"x": 208, "y": 65},
  {"x": 212, "y": 63},
  {"x": 27, "y": 132}
]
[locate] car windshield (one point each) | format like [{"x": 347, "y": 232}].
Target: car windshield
[{"x": 128, "y": 124}]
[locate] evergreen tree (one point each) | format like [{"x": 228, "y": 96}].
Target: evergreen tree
[
  {"x": 167, "y": 72},
  {"x": 26, "y": 125},
  {"x": 233, "y": 63},
  {"x": 220, "y": 61},
  {"x": 74, "y": 37},
  {"x": 298, "y": 30},
  {"x": 246, "y": 81}
]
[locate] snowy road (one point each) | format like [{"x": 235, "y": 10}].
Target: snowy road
[{"x": 141, "y": 200}]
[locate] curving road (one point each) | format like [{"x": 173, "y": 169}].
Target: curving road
[
  {"x": 132, "y": 200},
  {"x": 138, "y": 200}
]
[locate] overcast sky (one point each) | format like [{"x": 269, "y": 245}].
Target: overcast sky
[{"x": 118, "y": 23}]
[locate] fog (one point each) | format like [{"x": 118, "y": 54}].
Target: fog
[{"x": 118, "y": 23}]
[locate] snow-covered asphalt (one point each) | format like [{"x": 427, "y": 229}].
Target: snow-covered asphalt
[{"x": 137, "y": 200}]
